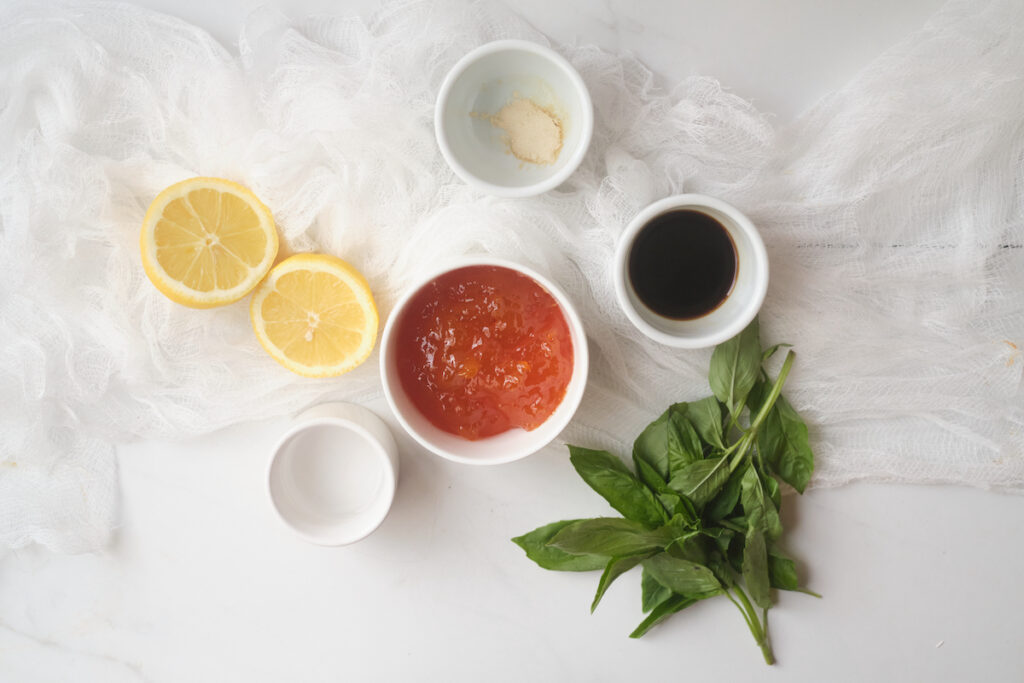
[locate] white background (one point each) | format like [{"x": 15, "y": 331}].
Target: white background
[{"x": 203, "y": 584}]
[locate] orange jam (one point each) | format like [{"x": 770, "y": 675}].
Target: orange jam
[{"x": 484, "y": 349}]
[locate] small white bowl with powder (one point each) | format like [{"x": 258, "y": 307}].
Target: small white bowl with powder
[{"x": 513, "y": 118}]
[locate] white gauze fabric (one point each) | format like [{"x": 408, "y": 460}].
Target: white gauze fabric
[{"x": 892, "y": 212}]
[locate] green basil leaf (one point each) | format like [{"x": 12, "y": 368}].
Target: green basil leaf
[
  {"x": 679, "y": 506},
  {"x": 652, "y": 593},
  {"x": 781, "y": 570},
  {"x": 786, "y": 446},
  {"x": 735, "y": 367},
  {"x": 722, "y": 505},
  {"x": 691, "y": 547},
  {"x": 760, "y": 512},
  {"x": 668, "y": 443},
  {"x": 672, "y": 502},
  {"x": 548, "y": 557},
  {"x": 755, "y": 568},
  {"x": 719, "y": 565},
  {"x": 617, "y": 566},
  {"x": 685, "y": 509},
  {"x": 648, "y": 475},
  {"x": 684, "y": 443},
  {"x": 758, "y": 395},
  {"x": 662, "y": 612},
  {"x": 680, "y": 526},
  {"x": 772, "y": 521},
  {"x": 735, "y": 552},
  {"x": 717, "y": 561},
  {"x": 669, "y": 499},
  {"x": 682, "y": 576},
  {"x": 771, "y": 487},
  {"x": 721, "y": 536},
  {"x": 610, "y": 477},
  {"x": 652, "y": 446},
  {"x": 706, "y": 417},
  {"x": 702, "y": 480},
  {"x": 782, "y": 440},
  {"x": 609, "y": 536}
]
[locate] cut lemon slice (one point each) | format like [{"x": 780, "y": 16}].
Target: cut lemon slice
[
  {"x": 207, "y": 242},
  {"x": 315, "y": 315}
]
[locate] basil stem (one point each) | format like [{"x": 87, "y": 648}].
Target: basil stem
[
  {"x": 773, "y": 396},
  {"x": 759, "y": 632}
]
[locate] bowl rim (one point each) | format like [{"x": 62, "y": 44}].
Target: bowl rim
[
  {"x": 573, "y": 392},
  {"x": 554, "y": 180},
  {"x": 734, "y": 326},
  {"x": 380, "y": 450}
]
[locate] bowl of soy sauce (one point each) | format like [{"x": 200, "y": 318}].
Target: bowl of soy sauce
[{"x": 691, "y": 271}]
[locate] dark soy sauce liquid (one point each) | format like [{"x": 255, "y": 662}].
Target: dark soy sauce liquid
[{"x": 682, "y": 264}]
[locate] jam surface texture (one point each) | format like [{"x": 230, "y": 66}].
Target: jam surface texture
[{"x": 484, "y": 349}]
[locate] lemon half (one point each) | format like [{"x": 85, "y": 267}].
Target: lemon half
[
  {"x": 315, "y": 315},
  {"x": 207, "y": 242}
]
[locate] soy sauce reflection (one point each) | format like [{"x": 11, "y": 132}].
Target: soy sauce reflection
[{"x": 682, "y": 264}]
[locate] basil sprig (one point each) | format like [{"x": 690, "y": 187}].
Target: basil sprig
[{"x": 700, "y": 515}]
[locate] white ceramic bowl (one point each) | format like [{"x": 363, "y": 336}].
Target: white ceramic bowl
[
  {"x": 332, "y": 474},
  {"x": 481, "y": 83},
  {"x": 505, "y": 447},
  {"x": 740, "y": 306}
]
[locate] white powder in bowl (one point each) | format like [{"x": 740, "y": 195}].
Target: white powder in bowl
[{"x": 532, "y": 133}]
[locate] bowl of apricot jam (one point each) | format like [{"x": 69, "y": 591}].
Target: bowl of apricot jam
[{"x": 484, "y": 361}]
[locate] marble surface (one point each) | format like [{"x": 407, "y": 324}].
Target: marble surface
[{"x": 202, "y": 582}]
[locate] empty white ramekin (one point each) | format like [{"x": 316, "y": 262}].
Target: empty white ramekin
[{"x": 332, "y": 475}]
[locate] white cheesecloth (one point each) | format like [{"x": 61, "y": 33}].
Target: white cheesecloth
[{"x": 893, "y": 212}]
